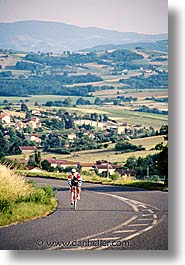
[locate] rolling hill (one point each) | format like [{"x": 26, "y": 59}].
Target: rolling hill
[{"x": 57, "y": 37}]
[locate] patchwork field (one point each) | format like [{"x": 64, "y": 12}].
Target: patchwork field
[{"x": 106, "y": 154}]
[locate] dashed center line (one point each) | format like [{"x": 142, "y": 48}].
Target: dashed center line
[
  {"x": 124, "y": 231},
  {"x": 137, "y": 225},
  {"x": 123, "y": 228}
]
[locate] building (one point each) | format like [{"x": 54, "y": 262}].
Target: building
[
  {"x": 127, "y": 173},
  {"x": 60, "y": 163},
  {"x": 33, "y": 123},
  {"x": 33, "y": 138},
  {"x": 27, "y": 149},
  {"x": 19, "y": 125},
  {"x": 105, "y": 168},
  {"x": 5, "y": 118},
  {"x": 71, "y": 136},
  {"x": 96, "y": 124},
  {"x": 87, "y": 165},
  {"x": 36, "y": 113}
]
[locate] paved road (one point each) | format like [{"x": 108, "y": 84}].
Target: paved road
[{"x": 107, "y": 217}]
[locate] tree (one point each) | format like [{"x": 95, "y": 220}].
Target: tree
[
  {"x": 27, "y": 129},
  {"x": 28, "y": 115},
  {"x": 24, "y": 107},
  {"x": 81, "y": 101},
  {"x": 67, "y": 102},
  {"x": 105, "y": 118},
  {"x": 38, "y": 158},
  {"x": 31, "y": 161},
  {"x": 131, "y": 163},
  {"x": 15, "y": 149},
  {"x": 98, "y": 101},
  {"x": 49, "y": 103},
  {"x": 46, "y": 165},
  {"x": 162, "y": 156},
  {"x": 162, "y": 160}
]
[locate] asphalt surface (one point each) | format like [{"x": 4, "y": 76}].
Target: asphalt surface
[{"x": 107, "y": 217}]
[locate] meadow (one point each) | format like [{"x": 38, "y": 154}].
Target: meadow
[{"x": 106, "y": 154}]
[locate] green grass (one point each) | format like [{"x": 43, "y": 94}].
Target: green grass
[
  {"x": 24, "y": 211},
  {"x": 91, "y": 177},
  {"x": 148, "y": 142},
  {"x": 21, "y": 200},
  {"x": 134, "y": 117},
  {"x": 108, "y": 153},
  {"x": 41, "y": 99},
  {"x": 94, "y": 155}
]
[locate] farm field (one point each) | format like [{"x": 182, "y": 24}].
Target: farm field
[
  {"x": 41, "y": 99},
  {"x": 105, "y": 154},
  {"x": 93, "y": 155},
  {"x": 148, "y": 142},
  {"x": 134, "y": 117},
  {"x": 132, "y": 93}
]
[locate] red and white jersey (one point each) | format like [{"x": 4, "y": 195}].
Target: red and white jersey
[{"x": 76, "y": 175}]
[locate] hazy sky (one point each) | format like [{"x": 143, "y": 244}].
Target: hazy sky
[{"x": 144, "y": 16}]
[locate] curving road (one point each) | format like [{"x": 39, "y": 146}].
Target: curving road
[{"x": 107, "y": 217}]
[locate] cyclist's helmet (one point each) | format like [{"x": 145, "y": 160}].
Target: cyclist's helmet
[{"x": 73, "y": 170}]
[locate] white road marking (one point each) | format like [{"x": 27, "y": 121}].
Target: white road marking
[
  {"x": 104, "y": 232},
  {"x": 146, "y": 214},
  {"x": 124, "y": 231},
  {"x": 145, "y": 219},
  {"x": 129, "y": 237},
  {"x": 154, "y": 222},
  {"x": 105, "y": 238},
  {"x": 155, "y": 216},
  {"x": 150, "y": 211},
  {"x": 137, "y": 225},
  {"x": 132, "y": 203},
  {"x": 134, "y": 207}
]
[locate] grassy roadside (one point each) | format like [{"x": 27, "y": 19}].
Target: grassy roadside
[
  {"x": 91, "y": 177},
  {"x": 21, "y": 200}
]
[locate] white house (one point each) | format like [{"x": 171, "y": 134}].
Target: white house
[
  {"x": 33, "y": 138},
  {"x": 71, "y": 136},
  {"x": 5, "y": 118}
]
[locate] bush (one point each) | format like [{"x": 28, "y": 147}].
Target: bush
[
  {"x": 114, "y": 176},
  {"x": 39, "y": 195},
  {"x": 49, "y": 191},
  {"x": 5, "y": 206}
]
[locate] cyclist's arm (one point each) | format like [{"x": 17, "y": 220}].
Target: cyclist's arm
[
  {"x": 69, "y": 180},
  {"x": 80, "y": 180}
]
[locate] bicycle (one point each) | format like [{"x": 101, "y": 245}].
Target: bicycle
[{"x": 74, "y": 196}]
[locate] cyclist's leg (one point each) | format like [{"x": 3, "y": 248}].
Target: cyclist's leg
[
  {"x": 71, "y": 194},
  {"x": 78, "y": 192}
]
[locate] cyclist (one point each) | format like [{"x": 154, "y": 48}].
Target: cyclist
[{"x": 75, "y": 179}]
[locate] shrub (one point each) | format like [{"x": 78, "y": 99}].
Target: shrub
[
  {"x": 5, "y": 206},
  {"x": 114, "y": 176},
  {"x": 49, "y": 191},
  {"x": 40, "y": 195}
]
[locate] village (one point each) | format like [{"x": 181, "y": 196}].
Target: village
[{"x": 76, "y": 133}]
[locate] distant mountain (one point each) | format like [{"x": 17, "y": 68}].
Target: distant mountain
[
  {"x": 57, "y": 37},
  {"x": 161, "y": 45}
]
